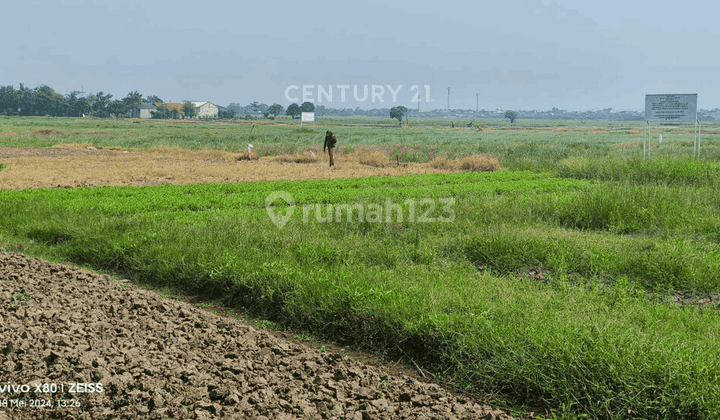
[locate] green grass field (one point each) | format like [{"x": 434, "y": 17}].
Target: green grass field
[
  {"x": 531, "y": 144},
  {"x": 548, "y": 291}
]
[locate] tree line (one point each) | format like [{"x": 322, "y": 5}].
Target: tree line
[
  {"x": 255, "y": 108},
  {"x": 44, "y": 100}
]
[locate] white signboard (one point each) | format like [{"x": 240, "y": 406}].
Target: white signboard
[
  {"x": 307, "y": 116},
  {"x": 671, "y": 107}
]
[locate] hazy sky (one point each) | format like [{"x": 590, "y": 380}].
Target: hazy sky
[{"x": 574, "y": 55}]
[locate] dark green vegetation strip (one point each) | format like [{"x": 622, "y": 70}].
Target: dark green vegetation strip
[{"x": 536, "y": 292}]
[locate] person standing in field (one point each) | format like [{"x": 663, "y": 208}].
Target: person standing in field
[{"x": 330, "y": 141}]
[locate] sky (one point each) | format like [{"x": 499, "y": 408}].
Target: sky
[{"x": 523, "y": 55}]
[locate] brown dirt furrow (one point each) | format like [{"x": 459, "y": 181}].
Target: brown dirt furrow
[{"x": 142, "y": 357}]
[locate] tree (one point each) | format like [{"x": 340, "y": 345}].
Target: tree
[
  {"x": 255, "y": 107},
  {"x": 235, "y": 108},
  {"x": 77, "y": 106},
  {"x": 47, "y": 102},
  {"x": 8, "y": 100},
  {"x": 161, "y": 112},
  {"x": 511, "y": 115},
  {"x": 116, "y": 108},
  {"x": 99, "y": 104},
  {"x": 263, "y": 108},
  {"x": 190, "y": 110},
  {"x": 24, "y": 100},
  {"x": 307, "y": 107},
  {"x": 153, "y": 99},
  {"x": 226, "y": 113},
  {"x": 132, "y": 100},
  {"x": 275, "y": 109},
  {"x": 293, "y": 110},
  {"x": 398, "y": 112}
]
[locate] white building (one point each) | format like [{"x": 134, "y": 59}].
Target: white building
[{"x": 206, "y": 109}]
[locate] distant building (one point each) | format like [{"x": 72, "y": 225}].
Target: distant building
[
  {"x": 175, "y": 110},
  {"x": 206, "y": 109},
  {"x": 145, "y": 110},
  {"x": 142, "y": 111}
]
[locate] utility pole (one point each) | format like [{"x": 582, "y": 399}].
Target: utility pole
[
  {"x": 448, "y": 99},
  {"x": 477, "y": 103}
]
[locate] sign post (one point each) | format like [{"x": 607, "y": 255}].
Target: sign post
[
  {"x": 307, "y": 116},
  {"x": 671, "y": 108}
]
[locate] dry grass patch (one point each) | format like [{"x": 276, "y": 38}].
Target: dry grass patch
[
  {"x": 302, "y": 157},
  {"x": 247, "y": 156},
  {"x": 76, "y": 165},
  {"x": 442, "y": 163},
  {"x": 375, "y": 158},
  {"x": 8, "y": 134},
  {"x": 484, "y": 163}
]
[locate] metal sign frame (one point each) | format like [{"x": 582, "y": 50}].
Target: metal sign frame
[
  {"x": 671, "y": 108},
  {"x": 697, "y": 131}
]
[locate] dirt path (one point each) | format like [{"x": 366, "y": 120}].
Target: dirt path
[
  {"x": 73, "y": 165},
  {"x": 138, "y": 356}
]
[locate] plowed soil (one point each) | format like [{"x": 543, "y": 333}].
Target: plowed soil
[
  {"x": 139, "y": 356},
  {"x": 104, "y": 349}
]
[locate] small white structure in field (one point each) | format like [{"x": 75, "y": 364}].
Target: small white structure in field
[
  {"x": 250, "y": 147},
  {"x": 660, "y": 139}
]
